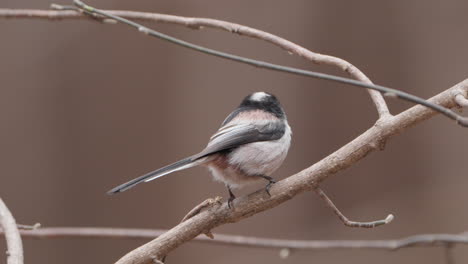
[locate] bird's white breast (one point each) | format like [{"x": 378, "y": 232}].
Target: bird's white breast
[{"x": 262, "y": 158}]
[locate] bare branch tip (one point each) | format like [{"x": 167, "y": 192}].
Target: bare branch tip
[
  {"x": 461, "y": 100},
  {"x": 209, "y": 234},
  {"x": 29, "y": 227},
  {"x": 389, "y": 219}
]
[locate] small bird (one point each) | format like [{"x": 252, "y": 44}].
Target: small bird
[{"x": 251, "y": 144}]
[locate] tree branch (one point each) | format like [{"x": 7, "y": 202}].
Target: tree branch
[
  {"x": 95, "y": 13},
  {"x": 200, "y": 23},
  {"x": 345, "y": 220},
  {"x": 424, "y": 240},
  {"x": 12, "y": 235},
  {"x": 308, "y": 179},
  {"x": 360, "y": 79},
  {"x": 286, "y": 189}
]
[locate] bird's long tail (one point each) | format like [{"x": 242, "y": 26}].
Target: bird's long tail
[{"x": 179, "y": 165}]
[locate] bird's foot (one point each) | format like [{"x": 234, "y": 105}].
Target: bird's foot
[
  {"x": 231, "y": 198},
  {"x": 268, "y": 186},
  {"x": 230, "y": 201},
  {"x": 271, "y": 181}
]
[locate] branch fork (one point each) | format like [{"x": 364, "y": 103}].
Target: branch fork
[{"x": 208, "y": 203}]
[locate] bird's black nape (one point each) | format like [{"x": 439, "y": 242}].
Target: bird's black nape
[{"x": 264, "y": 101}]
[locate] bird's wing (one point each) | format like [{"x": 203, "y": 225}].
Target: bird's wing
[{"x": 234, "y": 135}]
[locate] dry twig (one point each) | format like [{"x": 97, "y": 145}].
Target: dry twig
[
  {"x": 345, "y": 220},
  {"x": 199, "y": 23},
  {"x": 12, "y": 235},
  {"x": 424, "y": 240},
  {"x": 360, "y": 80}
]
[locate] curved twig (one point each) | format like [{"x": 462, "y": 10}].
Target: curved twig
[
  {"x": 12, "y": 235},
  {"x": 199, "y": 23},
  {"x": 345, "y": 220},
  {"x": 463, "y": 121}
]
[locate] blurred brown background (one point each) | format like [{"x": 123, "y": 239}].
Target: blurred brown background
[{"x": 86, "y": 106}]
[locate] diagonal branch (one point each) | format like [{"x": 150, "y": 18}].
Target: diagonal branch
[
  {"x": 423, "y": 240},
  {"x": 199, "y": 23},
  {"x": 288, "y": 188},
  {"x": 12, "y": 235}
]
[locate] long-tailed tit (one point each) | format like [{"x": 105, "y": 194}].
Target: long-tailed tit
[{"x": 251, "y": 144}]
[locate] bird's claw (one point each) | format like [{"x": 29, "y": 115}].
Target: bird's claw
[{"x": 268, "y": 186}]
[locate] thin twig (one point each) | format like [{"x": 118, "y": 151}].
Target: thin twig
[
  {"x": 28, "y": 227},
  {"x": 345, "y": 220},
  {"x": 424, "y": 240},
  {"x": 199, "y": 23},
  {"x": 393, "y": 93},
  {"x": 12, "y": 235},
  {"x": 251, "y": 32}
]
